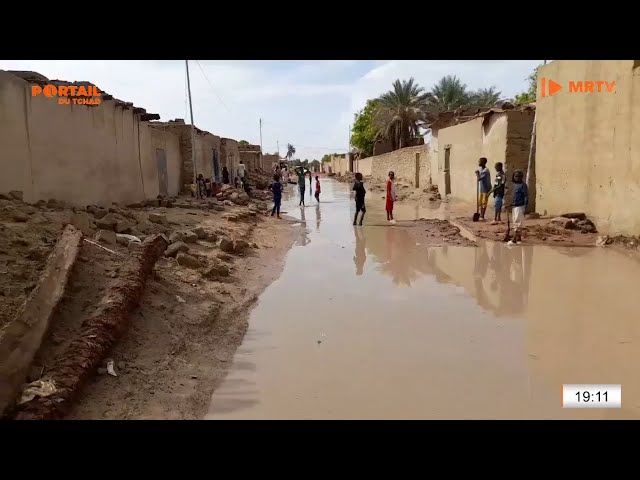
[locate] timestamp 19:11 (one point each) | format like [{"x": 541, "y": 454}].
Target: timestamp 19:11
[{"x": 591, "y": 396}]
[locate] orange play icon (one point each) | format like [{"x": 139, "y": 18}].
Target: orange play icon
[{"x": 553, "y": 87}]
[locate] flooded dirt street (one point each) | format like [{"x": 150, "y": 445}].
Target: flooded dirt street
[{"x": 370, "y": 323}]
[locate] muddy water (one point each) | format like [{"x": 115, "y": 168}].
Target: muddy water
[{"x": 365, "y": 324}]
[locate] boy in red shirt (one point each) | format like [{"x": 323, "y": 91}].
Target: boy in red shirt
[{"x": 317, "y": 189}]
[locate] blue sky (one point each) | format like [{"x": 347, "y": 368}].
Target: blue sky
[{"x": 308, "y": 103}]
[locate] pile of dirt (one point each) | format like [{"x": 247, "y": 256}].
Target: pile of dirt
[
  {"x": 569, "y": 231},
  {"x": 434, "y": 232},
  {"x": 575, "y": 221},
  {"x": 259, "y": 180},
  {"x": 27, "y": 236}
]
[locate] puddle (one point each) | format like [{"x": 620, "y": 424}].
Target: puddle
[{"x": 366, "y": 323}]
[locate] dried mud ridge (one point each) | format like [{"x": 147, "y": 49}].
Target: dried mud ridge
[
  {"x": 439, "y": 232},
  {"x": 97, "y": 336}
]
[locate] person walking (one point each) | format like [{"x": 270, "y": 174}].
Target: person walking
[{"x": 276, "y": 189}]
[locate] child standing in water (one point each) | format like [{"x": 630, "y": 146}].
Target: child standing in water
[
  {"x": 317, "y": 189},
  {"x": 391, "y": 197},
  {"x": 520, "y": 201},
  {"x": 276, "y": 188},
  {"x": 498, "y": 192},
  {"x": 358, "y": 187}
]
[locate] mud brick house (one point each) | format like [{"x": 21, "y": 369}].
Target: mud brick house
[
  {"x": 251, "y": 156},
  {"x": 100, "y": 153},
  {"x": 588, "y": 144},
  {"x": 460, "y": 138},
  {"x": 212, "y": 152}
]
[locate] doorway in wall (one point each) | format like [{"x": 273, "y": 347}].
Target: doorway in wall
[
  {"x": 216, "y": 166},
  {"x": 447, "y": 170},
  {"x": 163, "y": 178}
]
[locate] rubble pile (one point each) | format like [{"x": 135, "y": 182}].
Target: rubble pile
[{"x": 575, "y": 221}]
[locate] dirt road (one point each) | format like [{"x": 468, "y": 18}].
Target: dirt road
[{"x": 378, "y": 322}]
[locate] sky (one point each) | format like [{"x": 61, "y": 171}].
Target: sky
[{"x": 308, "y": 103}]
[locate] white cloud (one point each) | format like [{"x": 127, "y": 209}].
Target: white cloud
[{"x": 307, "y": 103}]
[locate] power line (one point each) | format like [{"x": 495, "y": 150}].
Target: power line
[{"x": 212, "y": 87}]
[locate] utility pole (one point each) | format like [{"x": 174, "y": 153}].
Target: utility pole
[
  {"x": 278, "y": 147},
  {"x": 530, "y": 178},
  {"x": 193, "y": 128},
  {"x": 260, "y": 134}
]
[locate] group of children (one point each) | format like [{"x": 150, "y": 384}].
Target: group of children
[
  {"x": 520, "y": 197},
  {"x": 277, "y": 187},
  {"x": 207, "y": 187}
]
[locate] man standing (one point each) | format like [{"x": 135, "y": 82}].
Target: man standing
[
  {"x": 301, "y": 185},
  {"x": 241, "y": 172},
  {"x": 484, "y": 185}
]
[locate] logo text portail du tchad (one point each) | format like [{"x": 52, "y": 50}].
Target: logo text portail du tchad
[
  {"x": 548, "y": 87},
  {"x": 80, "y": 95}
]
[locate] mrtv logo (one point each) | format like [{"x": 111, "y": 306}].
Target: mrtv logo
[
  {"x": 69, "y": 94},
  {"x": 548, "y": 87}
]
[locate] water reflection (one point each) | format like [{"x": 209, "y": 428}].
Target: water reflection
[
  {"x": 496, "y": 276},
  {"x": 361, "y": 255},
  {"x": 318, "y": 217}
]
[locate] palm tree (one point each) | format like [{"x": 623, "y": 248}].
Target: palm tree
[
  {"x": 485, "y": 97},
  {"x": 448, "y": 94},
  {"x": 291, "y": 151},
  {"x": 398, "y": 112}
]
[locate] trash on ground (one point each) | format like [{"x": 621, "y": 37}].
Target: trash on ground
[{"x": 39, "y": 388}]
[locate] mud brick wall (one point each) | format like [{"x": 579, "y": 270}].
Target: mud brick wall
[
  {"x": 588, "y": 145},
  {"x": 403, "y": 164},
  {"x": 75, "y": 153}
]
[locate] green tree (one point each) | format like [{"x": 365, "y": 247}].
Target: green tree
[
  {"x": 291, "y": 151},
  {"x": 485, "y": 97},
  {"x": 243, "y": 142},
  {"x": 530, "y": 95},
  {"x": 448, "y": 94},
  {"x": 399, "y": 111},
  {"x": 363, "y": 134}
]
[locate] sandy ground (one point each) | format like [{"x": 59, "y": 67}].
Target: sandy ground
[
  {"x": 185, "y": 332},
  {"x": 27, "y": 236},
  {"x": 191, "y": 319}
]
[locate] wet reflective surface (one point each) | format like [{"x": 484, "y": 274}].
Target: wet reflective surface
[{"x": 366, "y": 324}]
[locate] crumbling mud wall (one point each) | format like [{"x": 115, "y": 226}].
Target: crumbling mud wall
[
  {"x": 98, "y": 334},
  {"x": 21, "y": 338}
]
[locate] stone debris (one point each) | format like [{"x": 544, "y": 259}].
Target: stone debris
[
  {"x": 175, "y": 248},
  {"x": 215, "y": 271},
  {"x": 176, "y": 237},
  {"x": 190, "y": 237},
  {"x": 106, "y": 236},
  {"x": 82, "y": 222},
  {"x": 158, "y": 218},
  {"x": 226, "y": 245},
  {"x": 186, "y": 260},
  {"x": 200, "y": 232},
  {"x": 123, "y": 226},
  {"x": 240, "y": 246}
]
